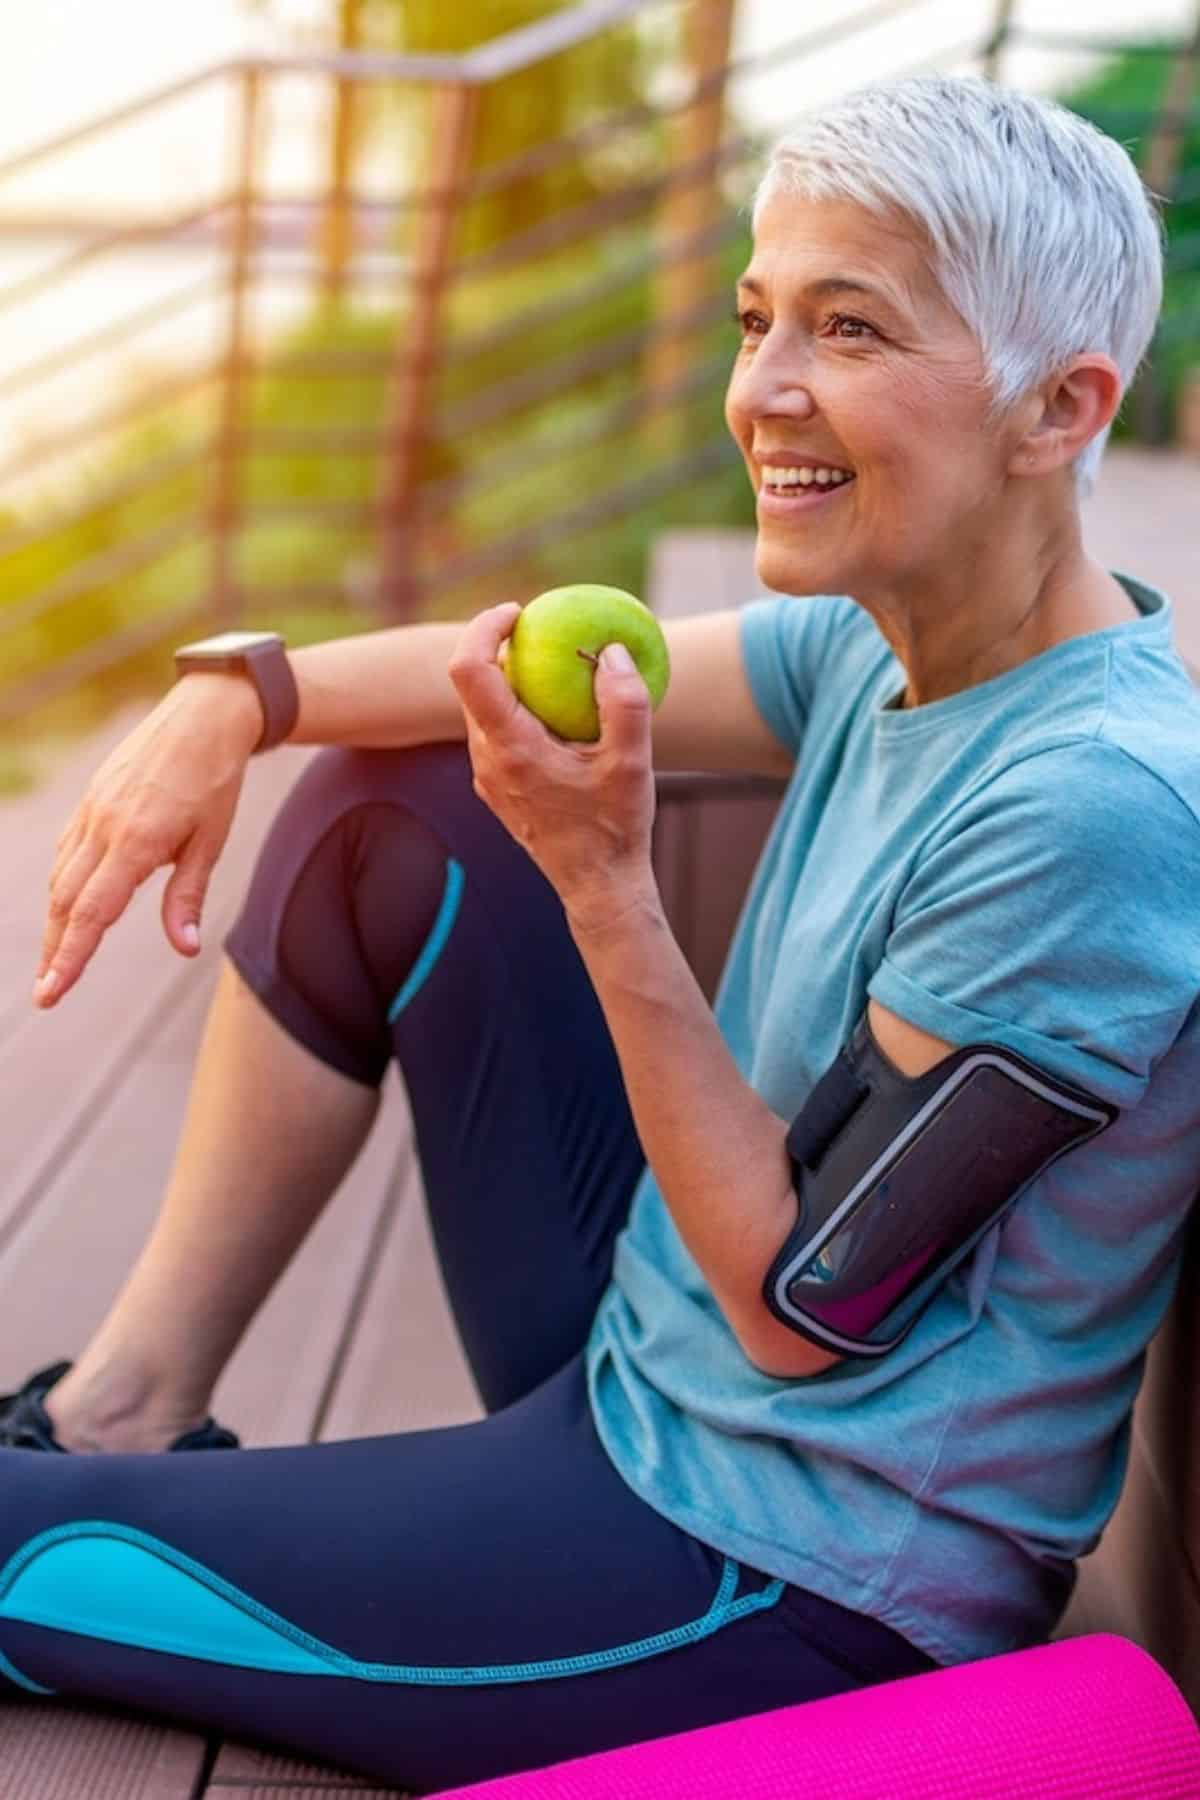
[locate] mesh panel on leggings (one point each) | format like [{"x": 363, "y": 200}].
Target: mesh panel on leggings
[{"x": 355, "y": 923}]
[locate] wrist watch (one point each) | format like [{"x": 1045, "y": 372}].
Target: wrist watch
[{"x": 262, "y": 657}]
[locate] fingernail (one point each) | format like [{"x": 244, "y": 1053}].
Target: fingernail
[
  {"x": 616, "y": 656},
  {"x": 47, "y": 986},
  {"x": 191, "y": 935}
]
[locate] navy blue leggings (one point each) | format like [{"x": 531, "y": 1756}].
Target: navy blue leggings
[{"x": 436, "y": 1606}]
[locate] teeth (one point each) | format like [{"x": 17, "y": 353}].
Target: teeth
[{"x": 805, "y": 477}]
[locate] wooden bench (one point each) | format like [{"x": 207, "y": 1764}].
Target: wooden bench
[{"x": 357, "y": 1337}]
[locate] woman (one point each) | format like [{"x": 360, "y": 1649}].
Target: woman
[{"x": 684, "y": 1503}]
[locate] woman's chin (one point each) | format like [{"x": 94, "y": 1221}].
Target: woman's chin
[{"x": 784, "y": 572}]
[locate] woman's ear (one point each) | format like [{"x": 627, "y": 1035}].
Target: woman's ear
[{"x": 1077, "y": 403}]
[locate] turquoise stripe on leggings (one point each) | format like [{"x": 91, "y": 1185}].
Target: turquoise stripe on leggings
[
  {"x": 112, "y": 1582},
  {"x": 434, "y": 943}
]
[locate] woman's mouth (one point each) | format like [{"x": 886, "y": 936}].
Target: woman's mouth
[{"x": 788, "y": 500}]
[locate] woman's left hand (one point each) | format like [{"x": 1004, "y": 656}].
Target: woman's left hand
[{"x": 583, "y": 811}]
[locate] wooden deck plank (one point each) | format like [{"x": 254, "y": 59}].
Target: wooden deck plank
[
  {"x": 242, "y": 1769},
  {"x": 67, "y": 1753},
  {"x": 287, "y": 1789},
  {"x": 61, "y": 1270}
]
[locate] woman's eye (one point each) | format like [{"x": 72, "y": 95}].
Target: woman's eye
[
  {"x": 859, "y": 327},
  {"x": 750, "y": 324}
]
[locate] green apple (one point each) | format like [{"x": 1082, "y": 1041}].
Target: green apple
[{"x": 555, "y": 646}]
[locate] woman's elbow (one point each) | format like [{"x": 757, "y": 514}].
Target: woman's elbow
[{"x": 777, "y": 1351}]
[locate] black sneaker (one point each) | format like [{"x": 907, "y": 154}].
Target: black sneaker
[{"x": 25, "y": 1423}]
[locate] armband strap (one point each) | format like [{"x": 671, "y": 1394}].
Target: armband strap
[{"x": 898, "y": 1177}]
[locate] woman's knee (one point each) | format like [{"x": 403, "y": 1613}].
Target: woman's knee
[
  {"x": 344, "y": 893},
  {"x": 430, "y": 779}
]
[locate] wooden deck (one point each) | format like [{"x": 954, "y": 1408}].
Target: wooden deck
[{"x": 357, "y": 1337}]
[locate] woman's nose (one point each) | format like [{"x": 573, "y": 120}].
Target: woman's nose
[{"x": 776, "y": 384}]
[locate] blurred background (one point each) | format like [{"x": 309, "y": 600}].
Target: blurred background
[{"x": 322, "y": 314}]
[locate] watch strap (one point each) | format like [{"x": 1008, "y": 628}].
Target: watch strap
[{"x": 268, "y": 667}]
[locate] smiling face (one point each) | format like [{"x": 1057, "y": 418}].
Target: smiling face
[{"x": 852, "y": 358}]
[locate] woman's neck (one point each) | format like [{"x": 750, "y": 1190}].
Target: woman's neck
[{"x": 945, "y": 647}]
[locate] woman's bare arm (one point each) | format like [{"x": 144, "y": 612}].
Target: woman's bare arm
[{"x": 166, "y": 796}]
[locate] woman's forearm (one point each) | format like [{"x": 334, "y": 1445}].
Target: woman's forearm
[
  {"x": 379, "y": 690},
  {"x": 717, "y": 1151},
  {"x": 167, "y": 794}
]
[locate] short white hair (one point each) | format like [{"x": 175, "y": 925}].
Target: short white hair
[{"x": 1045, "y": 240}]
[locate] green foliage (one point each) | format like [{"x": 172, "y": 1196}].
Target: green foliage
[
  {"x": 538, "y": 479},
  {"x": 525, "y": 111},
  {"x": 1123, "y": 100},
  {"x": 45, "y": 566}
]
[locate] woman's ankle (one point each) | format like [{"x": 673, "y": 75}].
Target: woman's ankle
[{"x": 119, "y": 1404}]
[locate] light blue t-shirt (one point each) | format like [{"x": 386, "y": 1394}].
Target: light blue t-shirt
[{"x": 1018, "y": 862}]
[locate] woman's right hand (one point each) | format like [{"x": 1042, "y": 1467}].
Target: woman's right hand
[{"x": 166, "y": 794}]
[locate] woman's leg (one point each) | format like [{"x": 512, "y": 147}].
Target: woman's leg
[
  {"x": 390, "y": 913},
  {"x": 269, "y": 1132},
  {"x": 429, "y": 1608},
  {"x": 525, "y": 1136}
]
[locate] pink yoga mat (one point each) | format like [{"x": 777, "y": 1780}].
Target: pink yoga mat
[{"x": 1089, "y": 1718}]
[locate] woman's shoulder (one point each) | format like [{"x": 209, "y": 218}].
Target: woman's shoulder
[
  {"x": 1109, "y": 793},
  {"x": 1104, "y": 741},
  {"x": 1055, "y": 905}
]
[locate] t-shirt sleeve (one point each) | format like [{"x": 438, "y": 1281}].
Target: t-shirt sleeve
[
  {"x": 785, "y": 641},
  {"x": 1054, "y": 912}
]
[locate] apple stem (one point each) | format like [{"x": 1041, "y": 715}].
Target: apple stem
[{"x": 589, "y": 656}]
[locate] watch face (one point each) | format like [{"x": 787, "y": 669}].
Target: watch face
[{"x": 228, "y": 643}]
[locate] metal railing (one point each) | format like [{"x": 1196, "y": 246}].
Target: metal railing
[{"x": 161, "y": 538}]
